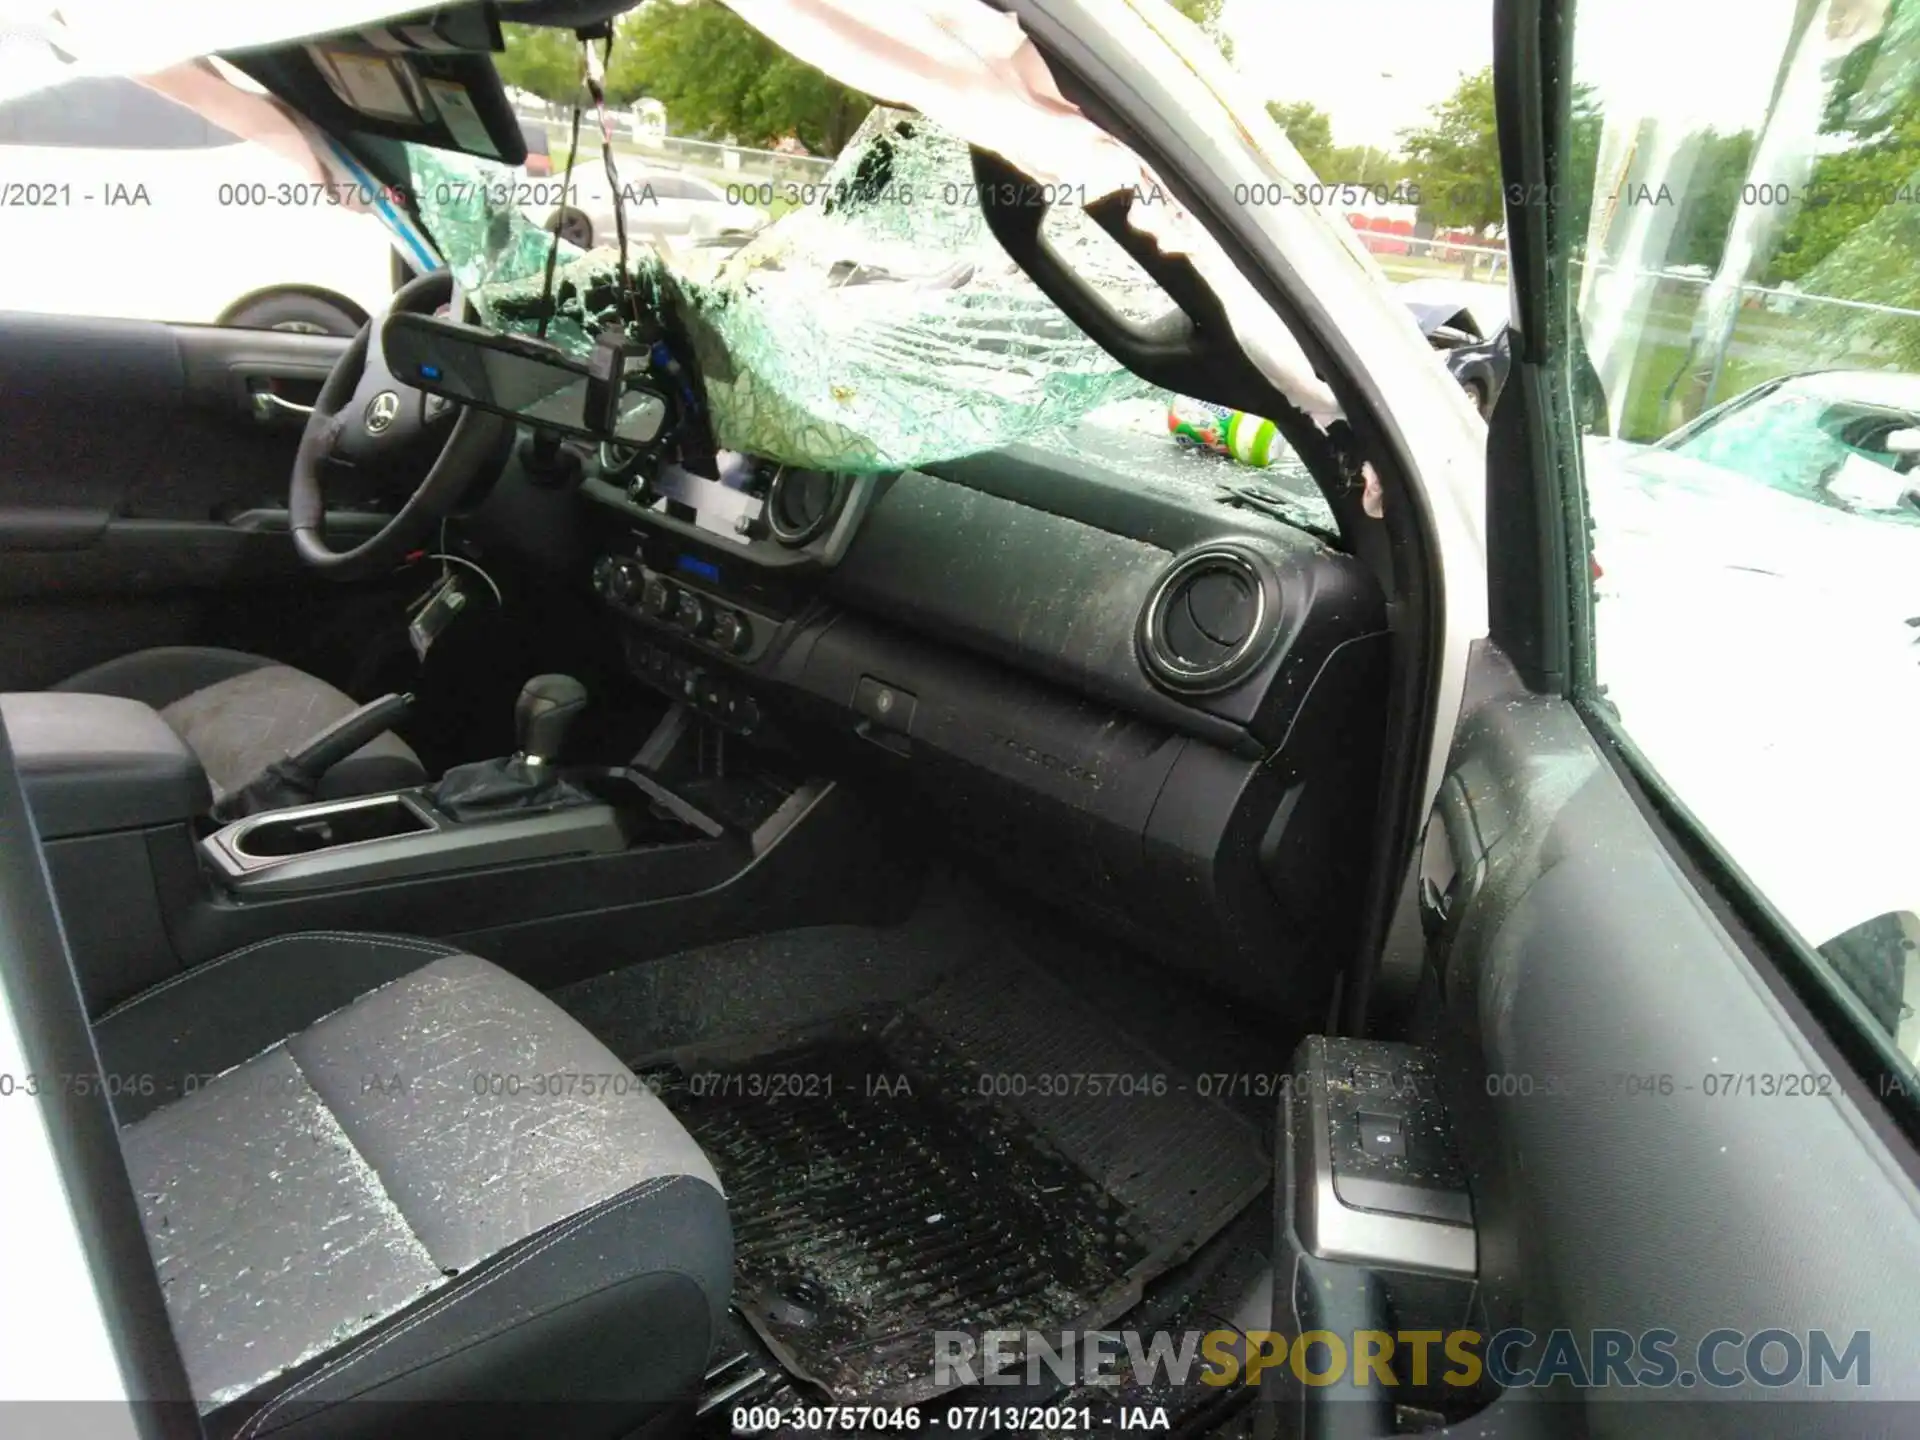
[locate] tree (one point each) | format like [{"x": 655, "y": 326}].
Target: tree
[
  {"x": 1206, "y": 14},
  {"x": 1849, "y": 188},
  {"x": 542, "y": 61},
  {"x": 1455, "y": 157},
  {"x": 1857, "y": 239},
  {"x": 1311, "y": 131},
  {"x": 719, "y": 76},
  {"x": 1712, "y": 195},
  {"x": 1586, "y": 127},
  {"x": 1856, "y": 234},
  {"x": 1364, "y": 165}
]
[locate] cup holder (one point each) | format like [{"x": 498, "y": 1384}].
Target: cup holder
[{"x": 309, "y": 830}]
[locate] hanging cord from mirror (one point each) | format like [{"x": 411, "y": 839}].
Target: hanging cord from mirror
[
  {"x": 553, "y": 245},
  {"x": 594, "y": 78},
  {"x": 597, "y": 64}
]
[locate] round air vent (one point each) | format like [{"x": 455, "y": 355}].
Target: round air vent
[
  {"x": 800, "y": 503},
  {"x": 1210, "y": 620}
]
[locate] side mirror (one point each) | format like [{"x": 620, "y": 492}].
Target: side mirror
[{"x": 1904, "y": 441}]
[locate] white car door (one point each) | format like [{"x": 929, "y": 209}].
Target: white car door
[
  {"x": 664, "y": 204},
  {"x": 155, "y": 213}
]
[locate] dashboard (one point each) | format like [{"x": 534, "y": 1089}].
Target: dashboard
[{"x": 1159, "y": 706}]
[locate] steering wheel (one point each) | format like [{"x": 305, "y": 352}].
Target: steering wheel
[{"x": 367, "y": 419}]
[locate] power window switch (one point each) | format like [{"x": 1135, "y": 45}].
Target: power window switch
[{"x": 1384, "y": 1137}]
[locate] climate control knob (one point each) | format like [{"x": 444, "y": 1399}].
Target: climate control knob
[
  {"x": 657, "y": 598},
  {"x": 731, "y": 632},
  {"x": 691, "y": 613},
  {"x": 616, "y": 578},
  {"x": 623, "y": 581}
]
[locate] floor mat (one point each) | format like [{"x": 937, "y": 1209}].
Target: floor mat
[{"x": 992, "y": 1156}]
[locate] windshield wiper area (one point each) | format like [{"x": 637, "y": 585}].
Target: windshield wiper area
[{"x": 1297, "y": 511}]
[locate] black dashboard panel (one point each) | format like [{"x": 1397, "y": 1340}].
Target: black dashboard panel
[
  {"x": 1241, "y": 866},
  {"x": 1044, "y": 592},
  {"x": 1061, "y": 594},
  {"x": 973, "y": 642}
]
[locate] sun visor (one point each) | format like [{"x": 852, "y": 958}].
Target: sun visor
[
  {"x": 427, "y": 78},
  {"x": 136, "y": 37}
]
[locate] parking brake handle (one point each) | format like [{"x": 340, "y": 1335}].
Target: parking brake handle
[{"x": 294, "y": 779}]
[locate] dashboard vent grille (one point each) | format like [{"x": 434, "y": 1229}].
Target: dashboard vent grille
[
  {"x": 1209, "y": 621},
  {"x": 800, "y": 503}
]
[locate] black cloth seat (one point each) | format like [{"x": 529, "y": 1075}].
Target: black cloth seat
[
  {"x": 239, "y": 713},
  {"x": 380, "y": 1177}
]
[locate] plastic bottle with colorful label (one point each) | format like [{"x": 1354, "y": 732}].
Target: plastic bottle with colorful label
[{"x": 1234, "y": 433}]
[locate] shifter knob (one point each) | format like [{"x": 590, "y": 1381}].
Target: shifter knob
[{"x": 545, "y": 711}]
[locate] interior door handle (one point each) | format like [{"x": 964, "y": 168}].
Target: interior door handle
[{"x": 269, "y": 406}]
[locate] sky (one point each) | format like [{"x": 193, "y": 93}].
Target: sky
[{"x": 1375, "y": 66}]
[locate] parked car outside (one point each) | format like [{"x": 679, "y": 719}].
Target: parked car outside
[
  {"x": 539, "y": 162},
  {"x": 674, "y": 205},
  {"x": 158, "y": 214},
  {"x": 1466, "y": 322},
  {"x": 1185, "y": 784},
  {"x": 1779, "y": 535}
]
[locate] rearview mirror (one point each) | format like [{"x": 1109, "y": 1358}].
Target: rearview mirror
[{"x": 515, "y": 376}]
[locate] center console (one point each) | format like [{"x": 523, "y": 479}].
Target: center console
[
  {"x": 518, "y": 808},
  {"x": 700, "y": 616},
  {"x": 382, "y": 838},
  {"x": 556, "y": 872}
]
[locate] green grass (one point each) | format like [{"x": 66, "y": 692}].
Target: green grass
[
  {"x": 1420, "y": 267},
  {"x": 1774, "y": 344},
  {"x": 1648, "y": 416}
]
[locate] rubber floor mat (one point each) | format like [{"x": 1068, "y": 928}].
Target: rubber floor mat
[{"x": 968, "y": 1163}]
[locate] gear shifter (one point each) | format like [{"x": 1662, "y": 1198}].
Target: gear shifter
[
  {"x": 547, "y": 707},
  {"x": 526, "y": 780}
]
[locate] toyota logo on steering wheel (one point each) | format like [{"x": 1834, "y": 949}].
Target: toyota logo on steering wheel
[{"x": 382, "y": 411}]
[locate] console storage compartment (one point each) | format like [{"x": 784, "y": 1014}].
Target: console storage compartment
[
  {"x": 93, "y": 763},
  {"x": 107, "y": 780}
]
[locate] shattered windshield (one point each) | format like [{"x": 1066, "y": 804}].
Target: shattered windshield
[
  {"x": 879, "y": 327},
  {"x": 875, "y": 325}
]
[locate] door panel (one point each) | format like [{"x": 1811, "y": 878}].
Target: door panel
[
  {"x": 1663, "y": 1139},
  {"x": 143, "y": 494},
  {"x": 1619, "y": 1180}
]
